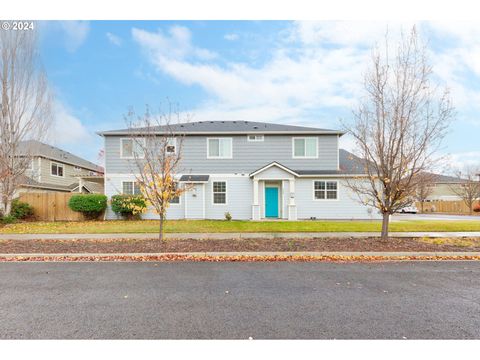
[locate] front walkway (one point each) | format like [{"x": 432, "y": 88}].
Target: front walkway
[{"x": 221, "y": 236}]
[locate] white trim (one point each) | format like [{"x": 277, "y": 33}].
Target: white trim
[
  {"x": 179, "y": 198},
  {"x": 204, "y": 189},
  {"x": 325, "y": 181},
  {"x": 133, "y": 149},
  {"x": 226, "y": 192},
  {"x": 120, "y": 175},
  {"x": 262, "y": 138},
  {"x": 133, "y": 187},
  {"x": 174, "y": 145},
  {"x": 219, "y": 157},
  {"x": 305, "y": 157},
  {"x": 280, "y": 166},
  {"x": 57, "y": 163}
]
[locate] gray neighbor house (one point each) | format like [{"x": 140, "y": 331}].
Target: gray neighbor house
[{"x": 252, "y": 170}]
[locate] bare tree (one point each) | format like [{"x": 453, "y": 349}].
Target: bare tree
[
  {"x": 158, "y": 152},
  {"x": 399, "y": 125},
  {"x": 425, "y": 186},
  {"x": 25, "y": 109},
  {"x": 468, "y": 187}
]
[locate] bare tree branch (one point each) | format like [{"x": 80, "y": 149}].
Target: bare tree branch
[
  {"x": 399, "y": 126},
  {"x": 25, "y": 109}
]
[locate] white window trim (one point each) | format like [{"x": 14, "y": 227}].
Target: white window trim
[
  {"x": 133, "y": 139},
  {"x": 174, "y": 145},
  {"x": 133, "y": 187},
  {"x": 305, "y": 157},
  {"x": 219, "y": 157},
  {"x": 226, "y": 193},
  {"x": 57, "y": 163},
  {"x": 325, "y": 181},
  {"x": 179, "y": 197},
  {"x": 262, "y": 137}
]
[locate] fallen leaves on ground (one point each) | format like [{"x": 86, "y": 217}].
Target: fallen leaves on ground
[{"x": 229, "y": 258}]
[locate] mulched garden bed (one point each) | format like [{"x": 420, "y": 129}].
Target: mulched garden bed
[{"x": 193, "y": 245}]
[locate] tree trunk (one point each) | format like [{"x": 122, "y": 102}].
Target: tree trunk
[
  {"x": 160, "y": 232},
  {"x": 422, "y": 205},
  {"x": 385, "y": 223}
]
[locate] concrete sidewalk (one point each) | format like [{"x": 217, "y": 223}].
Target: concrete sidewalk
[{"x": 225, "y": 236}]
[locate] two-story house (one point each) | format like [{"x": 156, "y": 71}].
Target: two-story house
[
  {"x": 252, "y": 170},
  {"x": 54, "y": 169}
]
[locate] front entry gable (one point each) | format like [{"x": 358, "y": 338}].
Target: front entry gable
[{"x": 273, "y": 171}]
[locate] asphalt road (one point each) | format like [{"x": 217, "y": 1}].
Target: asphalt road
[{"x": 415, "y": 300}]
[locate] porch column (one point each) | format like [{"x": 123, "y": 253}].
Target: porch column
[
  {"x": 255, "y": 204},
  {"x": 292, "y": 207}
]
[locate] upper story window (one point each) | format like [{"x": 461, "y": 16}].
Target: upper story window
[
  {"x": 255, "y": 138},
  {"x": 131, "y": 148},
  {"x": 56, "y": 169},
  {"x": 171, "y": 147},
  {"x": 131, "y": 188},
  {"x": 325, "y": 190},
  {"x": 305, "y": 147},
  {"x": 219, "y": 148}
]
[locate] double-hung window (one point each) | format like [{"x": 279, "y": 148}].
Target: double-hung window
[
  {"x": 255, "y": 138},
  {"x": 219, "y": 192},
  {"x": 131, "y": 148},
  {"x": 305, "y": 147},
  {"x": 175, "y": 200},
  {"x": 131, "y": 188},
  {"x": 219, "y": 148},
  {"x": 325, "y": 190},
  {"x": 56, "y": 169}
]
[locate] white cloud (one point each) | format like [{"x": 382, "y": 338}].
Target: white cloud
[
  {"x": 174, "y": 45},
  {"x": 76, "y": 33},
  {"x": 319, "y": 65},
  {"x": 114, "y": 39},
  {"x": 231, "y": 37},
  {"x": 68, "y": 129}
]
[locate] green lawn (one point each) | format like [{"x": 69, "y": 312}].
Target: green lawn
[{"x": 219, "y": 226}]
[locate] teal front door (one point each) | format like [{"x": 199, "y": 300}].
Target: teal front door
[{"x": 271, "y": 202}]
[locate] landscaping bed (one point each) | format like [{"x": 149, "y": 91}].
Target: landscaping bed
[{"x": 96, "y": 246}]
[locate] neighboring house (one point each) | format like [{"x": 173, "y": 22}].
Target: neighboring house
[
  {"x": 53, "y": 169},
  {"x": 250, "y": 169},
  {"x": 443, "y": 187}
]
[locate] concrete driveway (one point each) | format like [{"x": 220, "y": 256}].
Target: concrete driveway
[
  {"x": 414, "y": 300},
  {"x": 399, "y": 217}
]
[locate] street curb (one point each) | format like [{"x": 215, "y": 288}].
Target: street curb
[{"x": 340, "y": 257}]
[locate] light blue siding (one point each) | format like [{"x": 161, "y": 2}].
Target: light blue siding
[
  {"x": 248, "y": 156},
  {"x": 345, "y": 207}
]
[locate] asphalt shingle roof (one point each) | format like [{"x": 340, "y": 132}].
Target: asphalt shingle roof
[
  {"x": 37, "y": 148},
  {"x": 227, "y": 127}
]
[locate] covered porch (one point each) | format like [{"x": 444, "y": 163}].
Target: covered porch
[{"x": 274, "y": 193}]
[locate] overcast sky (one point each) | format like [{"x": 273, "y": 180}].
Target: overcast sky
[{"x": 305, "y": 73}]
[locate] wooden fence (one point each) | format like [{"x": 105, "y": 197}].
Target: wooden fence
[
  {"x": 452, "y": 207},
  {"x": 51, "y": 206}
]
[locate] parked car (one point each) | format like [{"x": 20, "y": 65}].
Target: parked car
[{"x": 409, "y": 209}]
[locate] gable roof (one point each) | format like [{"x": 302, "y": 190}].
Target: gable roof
[
  {"x": 37, "y": 148},
  {"x": 445, "y": 179},
  {"x": 349, "y": 165},
  {"x": 224, "y": 127}
]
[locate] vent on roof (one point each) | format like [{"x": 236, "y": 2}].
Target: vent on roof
[
  {"x": 181, "y": 125},
  {"x": 255, "y": 127}
]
